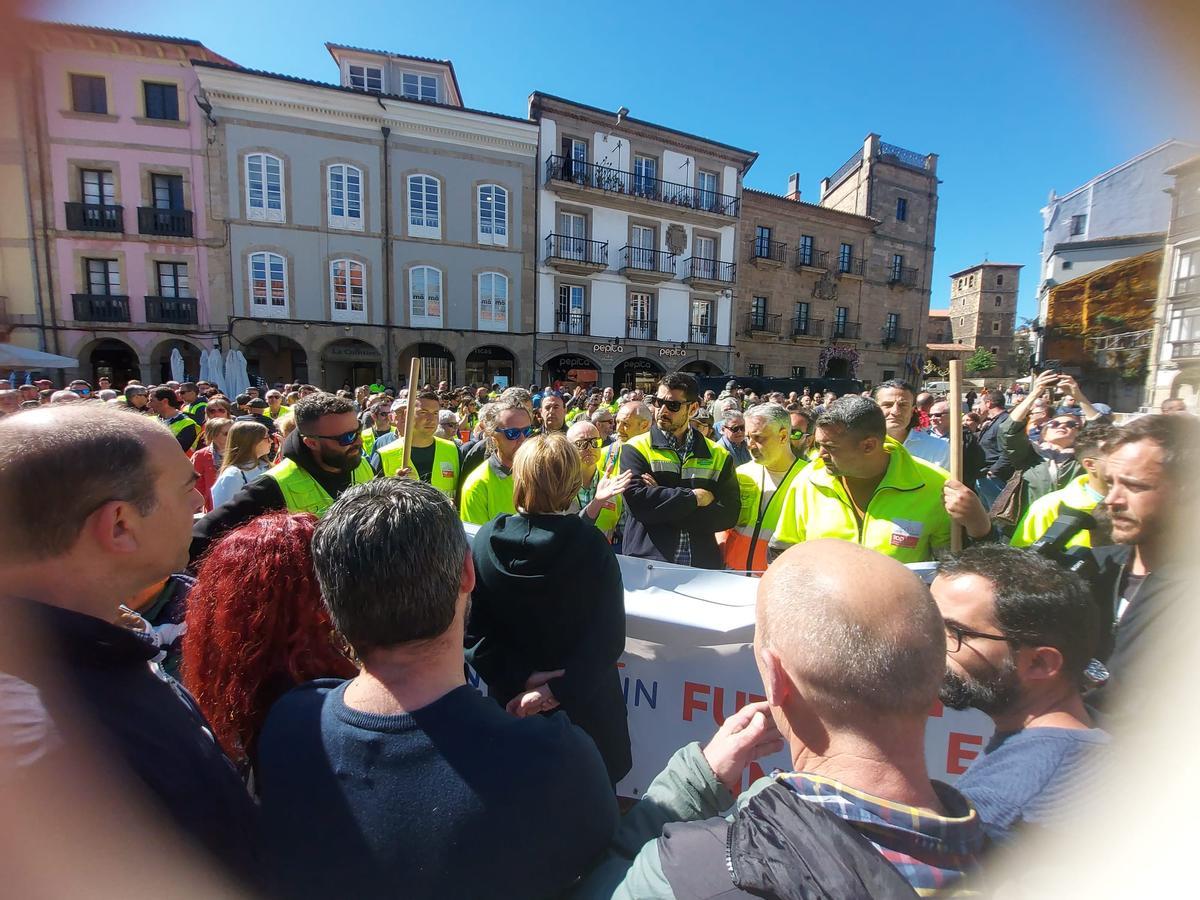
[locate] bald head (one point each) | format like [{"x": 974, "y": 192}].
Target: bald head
[
  {"x": 633, "y": 418},
  {"x": 857, "y": 631},
  {"x": 582, "y": 429}
]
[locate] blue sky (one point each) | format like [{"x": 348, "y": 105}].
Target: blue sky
[{"x": 1017, "y": 97}]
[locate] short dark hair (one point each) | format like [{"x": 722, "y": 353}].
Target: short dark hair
[
  {"x": 995, "y": 399},
  {"x": 429, "y": 395},
  {"x": 189, "y": 386},
  {"x": 241, "y": 399},
  {"x": 314, "y": 406},
  {"x": 862, "y": 418},
  {"x": 132, "y": 390},
  {"x": 1178, "y": 436},
  {"x": 389, "y": 556},
  {"x": 894, "y": 384},
  {"x": 1094, "y": 440},
  {"x": 1037, "y": 601},
  {"x": 44, "y": 512},
  {"x": 682, "y": 381},
  {"x": 168, "y": 394}
]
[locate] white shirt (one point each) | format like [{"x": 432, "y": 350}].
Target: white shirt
[
  {"x": 929, "y": 447},
  {"x": 232, "y": 479}
]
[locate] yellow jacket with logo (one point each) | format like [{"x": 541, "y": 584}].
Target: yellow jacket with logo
[
  {"x": 444, "y": 476},
  {"x": 904, "y": 519},
  {"x": 745, "y": 546},
  {"x": 303, "y": 493},
  {"x": 1043, "y": 511}
]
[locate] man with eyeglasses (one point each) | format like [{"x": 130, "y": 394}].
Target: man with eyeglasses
[
  {"x": 488, "y": 491},
  {"x": 599, "y": 495},
  {"x": 684, "y": 488},
  {"x": 1020, "y": 634},
  {"x": 733, "y": 437},
  {"x": 319, "y": 460},
  {"x": 434, "y": 460}
]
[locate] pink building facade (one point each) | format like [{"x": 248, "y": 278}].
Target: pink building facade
[{"x": 126, "y": 232}]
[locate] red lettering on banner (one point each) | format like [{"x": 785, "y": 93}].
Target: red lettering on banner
[
  {"x": 959, "y": 753},
  {"x": 692, "y": 701},
  {"x": 718, "y": 706}
]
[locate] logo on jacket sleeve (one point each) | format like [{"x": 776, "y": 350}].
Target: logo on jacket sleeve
[{"x": 907, "y": 533}]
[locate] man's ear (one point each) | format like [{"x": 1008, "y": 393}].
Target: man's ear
[
  {"x": 466, "y": 580},
  {"x": 115, "y": 527},
  {"x": 1040, "y": 663},
  {"x": 777, "y": 683}
]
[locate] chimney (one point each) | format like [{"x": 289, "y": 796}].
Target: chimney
[{"x": 793, "y": 192}]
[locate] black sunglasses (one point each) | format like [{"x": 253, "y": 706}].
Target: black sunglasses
[
  {"x": 343, "y": 440},
  {"x": 671, "y": 405}
]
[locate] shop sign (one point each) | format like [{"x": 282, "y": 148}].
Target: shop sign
[
  {"x": 607, "y": 348},
  {"x": 672, "y": 351}
]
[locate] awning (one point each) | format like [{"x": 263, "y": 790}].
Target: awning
[{"x": 14, "y": 357}]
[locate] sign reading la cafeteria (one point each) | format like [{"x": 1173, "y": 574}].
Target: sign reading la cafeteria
[{"x": 607, "y": 348}]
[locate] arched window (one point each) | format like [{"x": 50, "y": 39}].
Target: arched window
[
  {"x": 425, "y": 297},
  {"x": 268, "y": 285},
  {"x": 493, "y": 215},
  {"x": 348, "y": 290},
  {"x": 345, "y": 197},
  {"x": 424, "y": 206},
  {"x": 493, "y": 302},
  {"x": 264, "y": 188}
]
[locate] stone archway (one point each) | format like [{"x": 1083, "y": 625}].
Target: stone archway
[
  {"x": 275, "y": 359},
  {"x": 566, "y": 370},
  {"x": 350, "y": 362},
  {"x": 112, "y": 359},
  {"x": 160, "y": 360},
  {"x": 640, "y": 373},
  {"x": 437, "y": 363}
]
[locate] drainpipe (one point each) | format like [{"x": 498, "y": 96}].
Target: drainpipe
[
  {"x": 47, "y": 214},
  {"x": 38, "y": 299},
  {"x": 387, "y": 260}
]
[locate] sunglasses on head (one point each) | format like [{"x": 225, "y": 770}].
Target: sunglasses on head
[
  {"x": 342, "y": 440},
  {"x": 513, "y": 433},
  {"x": 671, "y": 405}
]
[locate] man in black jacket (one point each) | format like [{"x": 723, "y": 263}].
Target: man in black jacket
[
  {"x": 1142, "y": 587},
  {"x": 997, "y": 469}
]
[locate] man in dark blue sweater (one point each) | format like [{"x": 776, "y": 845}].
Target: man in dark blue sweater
[
  {"x": 404, "y": 781},
  {"x": 1020, "y": 632}
]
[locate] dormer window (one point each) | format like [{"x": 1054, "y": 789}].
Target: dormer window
[
  {"x": 419, "y": 87},
  {"x": 366, "y": 78}
]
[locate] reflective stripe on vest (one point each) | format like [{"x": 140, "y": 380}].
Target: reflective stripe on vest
[
  {"x": 444, "y": 476},
  {"x": 694, "y": 471},
  {"x": 181, "y": 422},
  {"x": 303, "y": 493}
]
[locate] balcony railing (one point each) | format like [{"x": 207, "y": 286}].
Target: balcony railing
[
  {"x": 571, "y": 323},
  {"x": 100, "y": 307},
  {"x": 1188, "y": 349},
  {"x": 846, "y": 168},
  {"x": 641, "y": 329},
  {"x": 616, "y": 181},
  {"x": 577, "y": 249},
  {"x": 812, "y": 257},
  {"x": 171, "y": 310},
  {"x": 709, "y": 269},
  {"x": 702, "y": 334},
  {"x": 641, "y": 259},
  {"x": 763, "y": 322},
  {"x": 802, "y": 327},
  {"x": 1188, "y": 284},
  {"x": 845, "y": 330},
  {"x": 896, "y": 154},
  {"x": 764, "y": 249},
  {"x": 903, "y": 275},
  {"x": 850, "y": 265},
  {"x": 899, "y": 336},
  {"x": 165, "y": 222},
  {"x": 94, "y": 217}
]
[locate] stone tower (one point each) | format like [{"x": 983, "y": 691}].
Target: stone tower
[{"x": 983, "y": 311}]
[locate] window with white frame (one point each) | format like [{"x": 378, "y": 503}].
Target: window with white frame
[
  {"x": 419, "y": 87},
  {"x": 268, "y": 285},
  {"x": 345, "y": 197},
  {"x": 493, "y": 215},
  {"x": 348, "y": 290},
  {"x": 264, "y": 188},
  {"x": 425, "y": 297},
  {"x": 424, "y": 206},
  {"x": 493, "y": 302},
  {"x": 1187, "y": 270},
  {"x": 366, "y": 78}
]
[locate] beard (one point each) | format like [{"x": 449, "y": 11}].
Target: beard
[
  {"x": 343, "y": 462},
  {"x": 993, "y": 695}
]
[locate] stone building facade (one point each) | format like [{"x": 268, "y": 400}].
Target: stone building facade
[
  {"x": 839, "y": 288},
  {"x": 983, "y": 311}
]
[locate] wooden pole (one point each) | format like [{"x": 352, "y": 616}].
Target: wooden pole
[
  {"x": 956, "y": 444},
  {"x": 414, "y": 373}
]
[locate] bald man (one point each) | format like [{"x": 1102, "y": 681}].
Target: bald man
[
  {"x": 850, "y": 647},
  {"x": 633, "y": 418}
]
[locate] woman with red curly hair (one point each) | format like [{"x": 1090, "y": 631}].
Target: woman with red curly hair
[{"x": 256, "y": 628}]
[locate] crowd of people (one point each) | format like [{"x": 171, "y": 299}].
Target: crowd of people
[{"x": 259, "y": 612}]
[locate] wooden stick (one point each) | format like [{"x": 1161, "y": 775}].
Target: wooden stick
[
  {"x": 414, "y": 372},
  {"x": 956, "y": 444}
]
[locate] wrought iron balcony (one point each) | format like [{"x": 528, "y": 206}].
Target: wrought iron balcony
[
  {"x": 95, "y": 217},
  {"x": 100, "y": 307},
  {"x": 804, "y": 327},
  {"x": 771, "y": 251},
  {"x": 850, "y": 265},
  {"x": 898, "y": 336},
  {"x": 642, "y": 264},
  {"x": 571, "y": 323},
  {"x": 713, "y": 270},
  {"x": 578, "y": 254},
  {"x": 812, "y": 258},
  {"x": 845, "y": 330},
  {"x": 763, "y": 322},
  {"x": 903, "y": 275},
  {"x": 171, "y": 310},
  {"x": 165, "y": 222},
  {"x": 616, "y": 181},
  {"x": 641, "y": 329},
  {"x": 702, "y": 334},
  {"x": 1186, "y": 349}
]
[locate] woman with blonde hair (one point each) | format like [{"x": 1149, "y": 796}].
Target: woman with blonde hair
[
  {"x": 207, "y": 461},
  {"x": 547, "y": 620},
  {"x": 245, "y": 459}
]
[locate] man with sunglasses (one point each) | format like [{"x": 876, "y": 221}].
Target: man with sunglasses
[
  {"x": 684, "y": 488},
  {"x": 1020, "y": 633},
  {"x": 434, "y": 460},
  {"x": 488, "y": 491},
  {"x": 319, "y": 460},
  {"x": 1083, "y": 493},
  {"x": 733, "y": 437}
]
